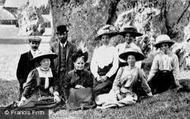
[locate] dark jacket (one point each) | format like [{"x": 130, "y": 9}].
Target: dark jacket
[
  {"x": 24, "y": 67},
  {"x": 35, "y": 84},
  {"x": 74, "y": 78},
  {"x": 69, "y": 63}
]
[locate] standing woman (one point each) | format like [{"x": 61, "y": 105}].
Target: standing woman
[
  {"x": 41, "y": 82},
  {"x": 165, "y": 66},
  {"x": 79, "y": 83},
  {"x": 104, "y": 63}
]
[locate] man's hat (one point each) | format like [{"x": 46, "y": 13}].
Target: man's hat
[
  {"x": 132, "y": 51},
  {"x": 163, "y": 39},
  {"x": 106, "y": 30},
  {"x": 61, "y": 29},
  {"x": 44, "y": 54},
  {"x": 130, "y": 29},
  {"x": 34, "y": 39}
]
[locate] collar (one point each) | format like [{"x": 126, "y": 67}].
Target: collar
[
  {"x": 42, "y": 69},
  {"x": 79, "y": 72},
  {"x": 63, "y": 45},
  {"x": 167, "y": 53},
  {"x": 34, "y": 52}
]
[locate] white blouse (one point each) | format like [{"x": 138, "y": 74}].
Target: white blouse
[
  {"x": 103, "y": 56},
  {"x": 46, "y": 75},
  {"x": 165, "y": 62}
]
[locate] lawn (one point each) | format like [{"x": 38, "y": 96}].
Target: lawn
[{"x": 170, "y": 105}]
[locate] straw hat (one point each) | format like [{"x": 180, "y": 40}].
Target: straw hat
[
  {"x": 130, "y": 29},
  {"x": 34, "y": 39},
  {"x": 163, "y": 39},
  {"x": 132, "y": 51},
  {"x": 44, "y": 54},
  {"x": 106, "y": 30}
]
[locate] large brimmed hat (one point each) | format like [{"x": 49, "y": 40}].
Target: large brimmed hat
[
  {"x": 34, "y": 39},
  {"x": 106, "y": 30},
  {"x": 44, "y": 54},
  {"x": 163, "y": 39},
  {"x": 130, "y": 29},
  {"x": 132, "y": 51}
]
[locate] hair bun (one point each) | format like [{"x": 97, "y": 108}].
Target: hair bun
[{"x": 79, "y": 53}]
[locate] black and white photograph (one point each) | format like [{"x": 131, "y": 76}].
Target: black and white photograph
[{"x": 94, "y": 59}]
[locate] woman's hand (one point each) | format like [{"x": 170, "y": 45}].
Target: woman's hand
[
  {"x": 79, "y": 86},
  {"x": 22, "y": 101},
  {"x": 56, "y": 97},
  {"x": 104, "y": 78},
  {"x": 150, "y": 94}
]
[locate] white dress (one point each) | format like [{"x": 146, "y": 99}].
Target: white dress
[{"x": 122, "y": 93}]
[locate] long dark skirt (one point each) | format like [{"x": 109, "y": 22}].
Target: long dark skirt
[
  {"x": 105, "y": 86},
  {"x": 162, "y": 81},
  {"x": 80, "y": 99}
]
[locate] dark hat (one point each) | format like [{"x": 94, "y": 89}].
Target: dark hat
[
  {"x": 163, "y": 39},
  {"x": 130, "y": 29},
  {"x": 61, "y": 29},
  {"x": 44, "y": 54},
  {"x": 106, "y": 30},
  {"x": 132, "y": 51},
  {"x": 34, "y": 39}
]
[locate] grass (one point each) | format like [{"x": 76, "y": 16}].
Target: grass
[{"x": 170, "y": 105}]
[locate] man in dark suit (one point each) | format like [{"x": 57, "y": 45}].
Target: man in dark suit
[
  {"x": 24, "y": 64},
  {"x": 63, "y": 64}
]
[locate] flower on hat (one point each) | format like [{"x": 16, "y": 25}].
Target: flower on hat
[
  {"x": 44, "y": 54},
  {"x": 107, "y": 30}
]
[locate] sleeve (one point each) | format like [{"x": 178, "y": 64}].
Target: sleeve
[
  {"x": 56, "y": 83},
  {"x": 176, "y": 69},
  {"x": 154, "y": 68},
  {"x": 30, "y": 84},
  {"x": 144, "y": 84},
  {"x": 67, "y": 84},
  {"x": 93, "y": 65},
  {"x": 115, "y": 66},
  {"x": 88, "y": 80},
  {"x": 116, "y": 82},
  {"x": 19, "y": 72}
]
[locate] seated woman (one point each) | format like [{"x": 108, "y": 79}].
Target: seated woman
[
  {"x": 165, "y": 67},
  {"x": 41, "y": 83},
  {"x": 105, "y": 61},
  {"x": 127, "y": 82},
  {"x": 78, "y": 84}
]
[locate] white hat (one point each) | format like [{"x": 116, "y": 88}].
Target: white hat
[
  {"x": 44, "y": 54},
  {"x": 106, "y": 30},
  {"x": 163, "y": 39}
]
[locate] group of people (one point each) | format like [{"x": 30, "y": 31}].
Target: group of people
[{"x": 115, "y": 77}]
